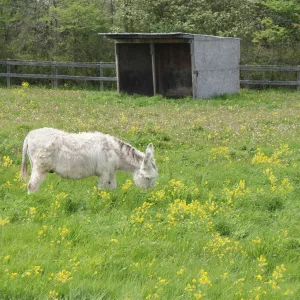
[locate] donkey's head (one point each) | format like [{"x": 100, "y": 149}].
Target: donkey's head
[{"x": 146, "y": 175}]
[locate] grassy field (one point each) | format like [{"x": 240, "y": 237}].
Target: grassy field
[{"x": 221, "y": 223}]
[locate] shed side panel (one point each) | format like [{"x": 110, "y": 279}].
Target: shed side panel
[{"x": 216, "y": 64}]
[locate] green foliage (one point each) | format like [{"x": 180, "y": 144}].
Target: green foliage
[
  {"x": 221, "y": 223},
  {"x": 280, "y": 22},
  {"x": 49, "y": 30},
  {"x": 67, "y": 30},
  {"x": 226, "y": 18}
]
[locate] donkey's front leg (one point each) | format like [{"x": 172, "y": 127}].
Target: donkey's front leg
[{"x": 107, "y": 181}]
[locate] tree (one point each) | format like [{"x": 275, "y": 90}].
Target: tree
[
  {"x": 217, "y": 17},
  {"x": 280, "y": 22},
  {"x": 78, "y": 26}
]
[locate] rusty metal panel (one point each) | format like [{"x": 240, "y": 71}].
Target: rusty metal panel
[
  {"x": 173, "y": 70},
  {"x": 135, "y": 69}
]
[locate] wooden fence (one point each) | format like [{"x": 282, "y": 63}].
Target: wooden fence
[
  {"x": 55, "y": 76},
  {"x": 248, "y": 69}
]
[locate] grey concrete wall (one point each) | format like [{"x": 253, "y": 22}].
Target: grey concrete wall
[{"x": 216, "y": 63}]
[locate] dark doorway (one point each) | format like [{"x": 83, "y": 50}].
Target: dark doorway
[
  {"x": 173, "y": 69},
  {"x": 135, "y": 69}
]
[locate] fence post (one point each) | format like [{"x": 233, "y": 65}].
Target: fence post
[
  {"x": 101, "y": 75},
  {"x": 7, "y": 72},
  {"x": 298, "y": 79},
  {"x": 247, "y": 78},
  {"x": 55, "y": 73}
]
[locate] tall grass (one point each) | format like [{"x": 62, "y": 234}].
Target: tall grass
[{"x": 222, "y": 222}]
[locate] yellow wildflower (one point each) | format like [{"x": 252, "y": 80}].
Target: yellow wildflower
[
  {"x": 4, "y": 221},
  {"x": 64, "y": 276},
  {"x": 203, "y": 279},
  {"x": 37, "y": 270},
  {"x": 13, "y": 275},
  {"x": 127, "y": 185},
  {"x": 25, "y": 84},
  {"x": 199, "y": 295},
  {"x": 53, "y": 295},
  {"x": 6, "y": 258},
  {"x": 256, "y": 241},
  {"x": 26, "y": 274},
  {"x": 278, "y": 272},
  {"x": 6, "y": 161},
  {"x": 181, "y": 271},
  {"x": 220, "y": 152},
  {"x": 63, "y": 232},
  {"x": 262, "y": 261},
  {"x": 259, "y": 277}
]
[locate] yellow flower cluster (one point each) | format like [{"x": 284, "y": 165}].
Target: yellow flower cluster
[
  {"x": 6, "y": 185},
  {"x": 127, "y": 185},
  {"x": 262, "y": 262},
  {"x": 141, "y": 215},
  {"x": 158, "y": 289},
  {"x": 175, "y": 189},
  {"x": 43, "y": 231},
  {"x": 63, "y": 232},
  {"x": 203, "y": 278},
  {"x": 4, "y": 221},
  {"x": 278, "y": 272},
  {"x": 220, "y": 152},
  {"x": 222, "y": 246},
  {"x": 158, "y": 196},
  {"x": 283, "y": 188},
  {"x": 196, "y": 287},
  {"x": 104, "y": 195},
  {"x": 55, "y": 206},
  {"x": 74, "y": 264},
  {"x": 237, "y": 192},
  {"x": 261, "y": 158},
  {"x": 179, "y": 210},
  {"x": 53, "y": 295},
  {"x": 61, "y": 196},
  {"x": 25, "y": 84},
  {"x": 63, "y": 276},
  {"x": 31, "y": 213},
  {"x": 35, "y": 271},
  {"x": 6, "y": 161}
]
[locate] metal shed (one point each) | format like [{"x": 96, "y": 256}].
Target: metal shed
[{"x": 176, "y": 64}]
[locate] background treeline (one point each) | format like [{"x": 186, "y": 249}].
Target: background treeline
[{"x": 67, "y": 30}]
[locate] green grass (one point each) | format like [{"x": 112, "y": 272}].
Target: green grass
[{"x": 221, "y": 223}]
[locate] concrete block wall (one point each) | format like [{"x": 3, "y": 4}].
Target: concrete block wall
[{"x": 216, "y": 66}]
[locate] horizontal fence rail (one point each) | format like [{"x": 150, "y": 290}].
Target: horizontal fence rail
[
  {"x": 55, "y": 76},
  {"x": 248, "y": 81},
  {"x": 55, "y": 67}
]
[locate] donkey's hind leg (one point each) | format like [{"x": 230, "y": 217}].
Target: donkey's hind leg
[{"x": 36, "y": 179}]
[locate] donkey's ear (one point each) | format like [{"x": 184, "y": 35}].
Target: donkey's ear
[
  {"x": 150, "y": 149},
  {"x": 149, "y": 153}
]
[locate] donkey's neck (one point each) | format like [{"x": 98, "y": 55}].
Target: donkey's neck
[{"x": 130, "y": 158}]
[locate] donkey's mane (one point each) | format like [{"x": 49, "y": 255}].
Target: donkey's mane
[{"x": 129, "y": 153}]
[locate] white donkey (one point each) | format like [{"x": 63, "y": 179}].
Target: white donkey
[{"x": 82, "y": 155}]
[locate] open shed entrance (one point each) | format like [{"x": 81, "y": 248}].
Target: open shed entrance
[
  {"x": 151, "y": 68},
  {"x": 173, "y": 70},
  {"x": 135, "y": 69}
]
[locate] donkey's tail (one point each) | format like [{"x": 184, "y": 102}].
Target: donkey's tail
[{"x": 24, "y": 171}]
